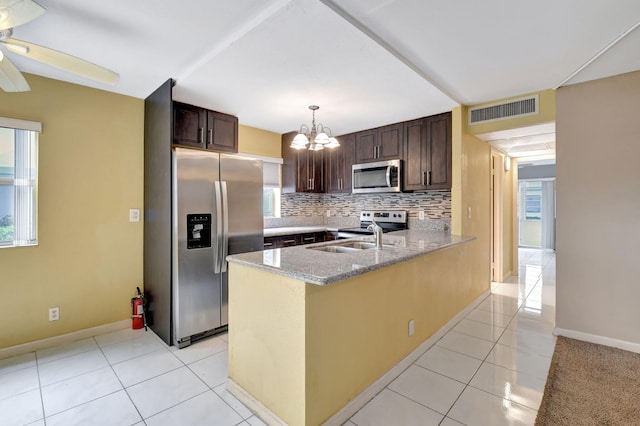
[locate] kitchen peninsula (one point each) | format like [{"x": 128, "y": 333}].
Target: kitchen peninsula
[{"x": 310, "y": 329}]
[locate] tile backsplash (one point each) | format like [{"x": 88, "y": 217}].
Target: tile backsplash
[{"x": 344, "y": 209}]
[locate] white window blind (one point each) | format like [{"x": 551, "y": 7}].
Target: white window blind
[
  {"x": 271, "y": 174},
  {"x": 18, "y": 182}
]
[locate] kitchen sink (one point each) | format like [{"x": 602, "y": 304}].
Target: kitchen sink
[
  {"x": 335, "y": 249},
  {"x": 358, "y": 245},
  {"x": 346, "y": 247}
]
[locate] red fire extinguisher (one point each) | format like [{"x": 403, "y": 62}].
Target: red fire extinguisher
[{"x": 138, "y": 317}]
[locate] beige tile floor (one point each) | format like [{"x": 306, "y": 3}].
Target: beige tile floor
[{"x": 490, "y": 369}]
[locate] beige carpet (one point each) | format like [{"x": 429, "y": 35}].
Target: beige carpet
[{"x": 591, "y": 384}]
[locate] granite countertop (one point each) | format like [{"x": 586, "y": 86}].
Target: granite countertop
[
  {"x": 322, "y": 268},
  {"x": 290, "y": 230}
]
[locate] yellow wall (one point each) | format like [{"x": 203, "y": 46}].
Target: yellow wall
[
  {"x": 546, "y": 114},
  {"x": 352, "y": 331},
  {"x": 266, "y": 316},
  {"x": 89, "y": 258},
  {"x": 259, "y": 142}
]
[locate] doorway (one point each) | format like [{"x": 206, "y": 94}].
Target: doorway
[
  {"x": 497, "y": 205},
  {"x": 537, "y": 213}
]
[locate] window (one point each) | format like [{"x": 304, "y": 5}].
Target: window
[
  {"x": 271, "y": 189},
  {"x": 533, "y": 200},
  {"x": 18, "y": 179}
]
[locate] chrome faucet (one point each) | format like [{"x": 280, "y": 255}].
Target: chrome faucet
[{"x": 377, "y": 232}]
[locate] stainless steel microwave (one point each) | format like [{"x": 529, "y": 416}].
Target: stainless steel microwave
[{"x": 381, "y": 176}]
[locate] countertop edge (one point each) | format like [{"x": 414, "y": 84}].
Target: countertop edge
[{"x": 312, "y": 279}]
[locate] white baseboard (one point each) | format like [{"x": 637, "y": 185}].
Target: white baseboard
[
  {"x": 266, "y": 415},
  {"x": 600, "y": 340},
  {"x": 360, "y": 400},
  {"x": 62, "y": 339}
]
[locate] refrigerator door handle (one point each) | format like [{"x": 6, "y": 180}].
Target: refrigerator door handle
[
  {"x": 225, "y": 224},
  {"x": 218, "y": 245}
]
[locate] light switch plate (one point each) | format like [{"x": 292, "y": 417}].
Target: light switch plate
[
  {"x": 421, "y": 215},
  {"x": 134, "y": 215}
]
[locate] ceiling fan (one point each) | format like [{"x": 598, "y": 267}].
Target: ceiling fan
[{"x": 17, "y": 12}]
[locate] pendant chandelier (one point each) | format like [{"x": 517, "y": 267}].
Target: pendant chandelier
[{"x": 314, "y": 138}]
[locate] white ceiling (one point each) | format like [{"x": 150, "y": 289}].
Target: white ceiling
[
  {"x": 525, "y": 142},
  {"x": 365, "y": 62}
]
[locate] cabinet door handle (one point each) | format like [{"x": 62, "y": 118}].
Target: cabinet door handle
[
  {"x": 424, "y": 178},
  {"x": 428, "y": 178},
  {"x": 289, "y": 242},
  {"x": 201, "y": 135},
  {"x": 309, "y": 239},
  {"x": 210, "y": 137},
  {"x": 268, "y": 244}
]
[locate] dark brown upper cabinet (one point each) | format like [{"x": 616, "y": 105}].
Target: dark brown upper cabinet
[
  {"x": 302, "y": 170},
  {"x": 337, "y": 165},
  {"x": 382, "y": 143},
  {"x": 427, "y": 158},
  {"x": 189, "y": 124},
  {"x": 201, "y": 128}
]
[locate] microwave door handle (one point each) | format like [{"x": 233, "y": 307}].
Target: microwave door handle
[{"x": 388, "y": 176}]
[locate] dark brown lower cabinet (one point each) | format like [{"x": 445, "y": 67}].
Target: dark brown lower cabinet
[{"x": 281, "y": 241}]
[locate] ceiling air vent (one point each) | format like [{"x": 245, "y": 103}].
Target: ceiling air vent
[{"x": 514, "y": 108}]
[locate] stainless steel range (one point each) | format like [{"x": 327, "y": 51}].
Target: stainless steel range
[{"x": 388, "y": 220}]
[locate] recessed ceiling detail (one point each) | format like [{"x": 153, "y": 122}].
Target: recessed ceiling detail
[
  {"x": 529, "y": 141},
  {"x": 367, "y": 62}
]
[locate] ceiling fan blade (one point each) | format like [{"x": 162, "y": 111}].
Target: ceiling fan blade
[
  {"x": 18, "y": 12},
  {"x": 11, "y": 80},
  {"x": 63, "y": 61}
]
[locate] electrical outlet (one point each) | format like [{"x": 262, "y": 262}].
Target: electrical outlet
[
  {"x": 468, "y": 212},
  {"x": 134, "y": 215},
  {"x": 54, "y": 314},
  {"x": 328, "y": 213},
  {"x": 411, "y": 327},
  {"x": 421, "y": 215}
]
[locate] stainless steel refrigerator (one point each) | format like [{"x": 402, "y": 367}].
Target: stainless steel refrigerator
[
  {"x": 199, "y": 206},
  {"x": 217, "y": 211}
]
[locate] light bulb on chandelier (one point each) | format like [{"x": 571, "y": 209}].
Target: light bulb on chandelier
[{"x": 317, "y": 137}]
